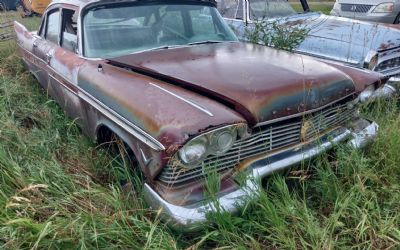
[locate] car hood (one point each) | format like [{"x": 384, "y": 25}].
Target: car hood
[
  {"x": 260, "y": 83},
  {"x": 344, "y": 39}
]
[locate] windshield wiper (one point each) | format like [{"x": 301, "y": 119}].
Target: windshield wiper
[
  {"x": 206, "y": 42},
  {"x": 164, "y": 47}
]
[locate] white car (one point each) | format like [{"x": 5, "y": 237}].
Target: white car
[{"x": 384, "y": 11}]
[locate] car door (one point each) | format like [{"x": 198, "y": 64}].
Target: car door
[
  {"x": 64, "y": 64},
  {"x": 40, "y": 48},
  {"x": 45, "y": 42}
]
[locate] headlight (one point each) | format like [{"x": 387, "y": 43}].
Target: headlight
[
  {"x": 371, "y": 60},
  {"x": 384, "y": 8},
  {"x": 194, "y": 151},
  {"x": 222, "y": 141},
  {"x": 215, "y": 142},
  {"x": 367, "y": 93}
]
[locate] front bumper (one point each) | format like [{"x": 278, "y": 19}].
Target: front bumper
[
  {"x": 189, "y": 218},
  {"x": 389, "y": 90}
]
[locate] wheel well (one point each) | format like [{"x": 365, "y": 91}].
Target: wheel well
[
  {"x": 113, "y": 142},
  {"x": 104, "y": 135}
]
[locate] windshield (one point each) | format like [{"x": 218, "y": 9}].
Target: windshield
[
  {"x": 116, "y": 30},
  {"x": 260, "y": 9}
]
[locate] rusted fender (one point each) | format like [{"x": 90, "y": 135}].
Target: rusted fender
[
  {"x": 362, "y": 78},
  {"x": 169, "y": 113}
]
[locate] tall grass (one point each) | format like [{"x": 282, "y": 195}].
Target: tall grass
[{"x": 59, "y": 190}]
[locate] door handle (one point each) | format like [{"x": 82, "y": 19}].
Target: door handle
[{"x": 48, "y": 57}]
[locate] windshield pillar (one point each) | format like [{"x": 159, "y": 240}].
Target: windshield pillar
[
  {"x": 246, "y": 11},
  {"x": 305, "y": 6}
]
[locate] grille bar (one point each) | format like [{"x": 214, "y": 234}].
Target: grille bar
[
  {"x": 356, "y": 8},
  {"x": 388, "y": 64},
  {"x": 263, "y": 139}
]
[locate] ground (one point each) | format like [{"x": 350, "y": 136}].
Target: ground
[{"x": 60, "y": 190}]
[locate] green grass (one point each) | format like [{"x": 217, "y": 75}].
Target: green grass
[
  {"x": 59, "y": 190},
  {"x": 325, "y": 7}
]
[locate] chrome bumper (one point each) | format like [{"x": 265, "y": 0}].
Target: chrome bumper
[
  {"x": 189, "y": 218},
  {"x": 389, "y": 90},
  {"x": 386, "y": 91}
]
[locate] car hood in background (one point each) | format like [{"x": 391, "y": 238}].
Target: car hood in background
[
  {"x": 260, "y": 83},
  {"x": 344, "y": 39}
]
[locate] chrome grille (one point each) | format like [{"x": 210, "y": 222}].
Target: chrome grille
[
  {"x": 356, "y": 8},
  {"x": 388, "y": 64},
  {"x": 263, "y": 139}
]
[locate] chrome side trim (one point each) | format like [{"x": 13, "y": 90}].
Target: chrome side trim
[
  {"x": 122, "y": 122},
  {"x": 108, "y": 112},
  {"x": 191, "y": 103},
  {"x": 62, "y": 84}
]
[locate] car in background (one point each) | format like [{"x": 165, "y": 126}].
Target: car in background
[
  {"x": 33, "y": 7},
  {"x": 171, "y": 80},
  {"x": 346, "y": 41},
  {"x": 383, "y": 11},
  {"x": 8, "y": 4}
]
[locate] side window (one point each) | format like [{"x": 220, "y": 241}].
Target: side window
[
  {"x": 53, "y": 26},
  {"x": 69, "y": 38}
]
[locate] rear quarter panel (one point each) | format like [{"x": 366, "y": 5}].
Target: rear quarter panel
[{"x": 25, "y": 41}]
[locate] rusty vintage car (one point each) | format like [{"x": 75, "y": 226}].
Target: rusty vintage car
[
  {"x": 172, "y": 81},
  {"x": 355, "y": 43}
]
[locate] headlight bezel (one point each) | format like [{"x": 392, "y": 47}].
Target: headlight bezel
[
  {"x": 183, "y": 152},
  {"x": 384, "y": 8},
  {"x": 210, "y": 140},
  {"x": 371, "y": 60},
  {"x": 215, "y": 140}
]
